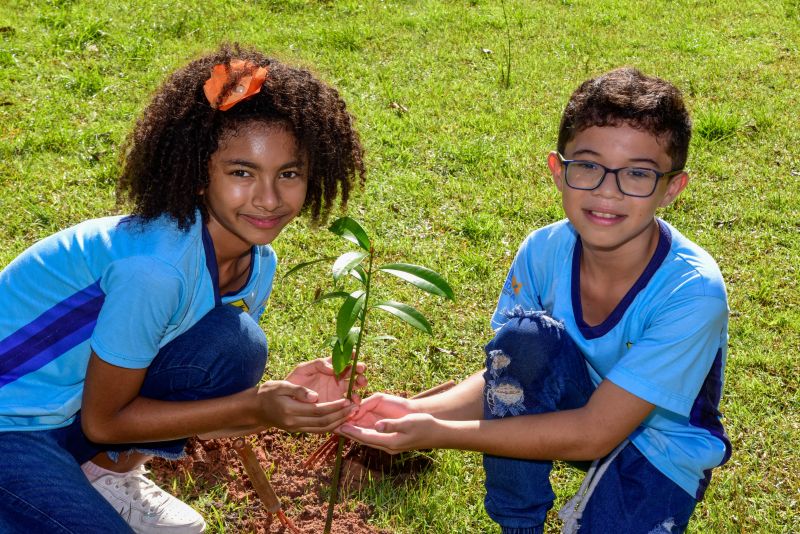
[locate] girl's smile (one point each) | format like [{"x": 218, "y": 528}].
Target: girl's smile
[
  {"x": 257, "y": 185},
  {"x": 262, "y": 222}
]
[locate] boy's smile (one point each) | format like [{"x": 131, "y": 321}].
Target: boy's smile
[
  {"x": 605, "y": 218},
  {"x": 257, "y": 185}
]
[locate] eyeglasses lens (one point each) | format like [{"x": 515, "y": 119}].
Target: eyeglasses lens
[
  {"x": 637, "y": 182},
  {"x": 632, "y": 181}
]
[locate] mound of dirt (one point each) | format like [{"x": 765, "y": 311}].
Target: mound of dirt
[{"x": 301, "y": 489}]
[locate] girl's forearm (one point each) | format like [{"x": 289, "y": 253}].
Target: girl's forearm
[
  {"x": 232, "y": 432},
  {"x": 144, "y": 419}
]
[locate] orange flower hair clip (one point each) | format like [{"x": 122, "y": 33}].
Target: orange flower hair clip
[{"x": 248, "y": 85}]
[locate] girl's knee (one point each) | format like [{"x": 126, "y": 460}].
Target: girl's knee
[
  {"x": 223, "y": 353},
  {"x": 238, "y": 349}
]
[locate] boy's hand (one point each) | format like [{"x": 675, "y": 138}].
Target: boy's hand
[
  {"x": 318, "y": 375},
  {"x": 410, "y": 432},
  {"x": 378, "y": 407},
  {"x": 295, "y": 408}
]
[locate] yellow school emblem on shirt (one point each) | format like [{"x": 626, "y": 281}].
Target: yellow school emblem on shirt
[
  {"x": 241, "y": 304},
  {"x": 516, "y": 286}
]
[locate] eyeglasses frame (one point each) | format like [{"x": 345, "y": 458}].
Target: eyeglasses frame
[{"x": 615, "y": 172}]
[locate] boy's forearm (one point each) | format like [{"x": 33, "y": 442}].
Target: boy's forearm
[
  {"x": 551, "y": 436},
  {"x": 464, "y": 401},
  {"x": 585, "y": 433}
]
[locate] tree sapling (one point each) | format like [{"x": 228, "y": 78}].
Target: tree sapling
[{"x": 351, "y": 318}]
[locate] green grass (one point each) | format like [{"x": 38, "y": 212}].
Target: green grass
[{"x": 457, "y": 179}]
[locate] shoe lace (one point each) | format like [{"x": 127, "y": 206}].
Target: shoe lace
[{"x": 142, "y": 490}]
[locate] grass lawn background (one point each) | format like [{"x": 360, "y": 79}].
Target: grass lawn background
[{"x": 457, "y": 178}]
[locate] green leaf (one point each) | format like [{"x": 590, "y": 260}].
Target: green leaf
[
  {"x": 305, "y": 264},
  {"x": 406, "y": 313},
  {"x": 349, "y": 313},
  {"x": 422, "y": 277},
  {"x": 342, "y": 353},
  {"x": 352, "y": 335},
  {"x": 359, "y": 274},
  {"x": 349, "y": 229},
  {"x": 341, "y": 356},
  {"x": 332, "y": 295},
  {"x": 346, "y": 262}
]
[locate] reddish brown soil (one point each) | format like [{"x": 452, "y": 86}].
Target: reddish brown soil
[{"x": 302, "y": 490}]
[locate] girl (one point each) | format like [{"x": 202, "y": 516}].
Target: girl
[{"x": 123, "y": 336}]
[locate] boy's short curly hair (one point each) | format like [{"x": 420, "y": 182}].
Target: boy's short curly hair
[
  {"x": 626, "y": 96},
  {"x": 165, "y": 158}
]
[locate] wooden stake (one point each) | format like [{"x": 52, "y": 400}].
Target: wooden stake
[{"x": 256, "y": 475}]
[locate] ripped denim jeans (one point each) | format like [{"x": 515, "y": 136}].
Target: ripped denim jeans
[
  {"x": 533, "y": 366},
  {"x": 42, "y": 487}
]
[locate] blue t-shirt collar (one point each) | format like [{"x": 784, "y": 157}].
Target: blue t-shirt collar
[{"x": 593, "y": 332}]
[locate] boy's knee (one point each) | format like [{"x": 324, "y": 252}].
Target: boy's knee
[
  {"x": 529, "y": 364},
  {"x": 529, "y": 341}
]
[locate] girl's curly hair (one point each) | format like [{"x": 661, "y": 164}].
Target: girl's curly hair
[{"x": 165, "y": 158}]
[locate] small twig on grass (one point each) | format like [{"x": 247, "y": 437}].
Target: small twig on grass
[{"x": 323, "y": 453}]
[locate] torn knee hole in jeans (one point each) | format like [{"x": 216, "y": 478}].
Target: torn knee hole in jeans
[
  {"x": 518, "y": 312},
  {"x": 506, "y": 397},
  {"x": 664, "y": 527},
  {"x": 499, "y": 361}
]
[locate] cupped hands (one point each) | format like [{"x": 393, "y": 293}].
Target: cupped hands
[
  {"x": 311, "y": 398},
  {"x": 318, "y": 375},
  {"x": 388, "y": 423},
  {"x": 296, "y": 408}
]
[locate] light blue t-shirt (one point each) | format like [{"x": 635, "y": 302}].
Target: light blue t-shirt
[
  {"x": 116, "y": 286},
  {"x": 665, "y": 342}
]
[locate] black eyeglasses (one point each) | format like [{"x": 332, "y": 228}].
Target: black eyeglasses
[{"x": 632, "y": 181}]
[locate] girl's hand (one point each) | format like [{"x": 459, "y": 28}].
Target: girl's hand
[
  {"x": 295, "y": 408},
  {"x": 412, "y": 431},
  {"x": 318, "y": 375}
]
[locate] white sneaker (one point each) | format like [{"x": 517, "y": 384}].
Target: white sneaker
[{"x": 147, "y": 508}]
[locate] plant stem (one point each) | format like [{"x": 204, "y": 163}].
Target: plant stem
[
  {"x": 337, "y": 468},
  {"x": 506, "y": 77}
]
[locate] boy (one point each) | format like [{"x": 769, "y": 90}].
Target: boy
[{"x": 610, "y": 337}]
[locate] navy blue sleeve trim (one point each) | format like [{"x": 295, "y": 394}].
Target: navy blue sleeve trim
[
  {"x": 705, "y": 414},
  {"x": 211, "y": 264}
]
